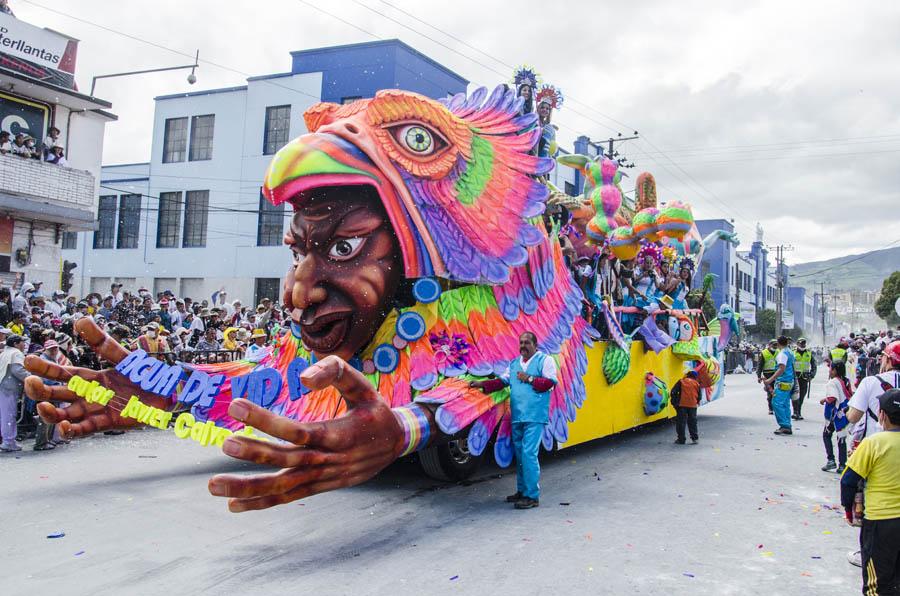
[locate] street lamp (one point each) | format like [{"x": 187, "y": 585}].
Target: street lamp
[{"x": 191, "y": 78}]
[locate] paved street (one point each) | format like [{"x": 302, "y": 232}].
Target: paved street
[{"x": 743, "y": 512}]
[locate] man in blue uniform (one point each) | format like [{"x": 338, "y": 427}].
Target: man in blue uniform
[
  {"x": 530, "y": 379},
  {"x": 782, "y": 384}
]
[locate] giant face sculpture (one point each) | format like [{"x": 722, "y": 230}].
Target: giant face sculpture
[{"x": 347, "y": 268}]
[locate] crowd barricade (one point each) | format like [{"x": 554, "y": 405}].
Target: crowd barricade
[{"x": 210, "y": 356}]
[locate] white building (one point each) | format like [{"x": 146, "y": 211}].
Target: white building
[{"x": 40, "y": 202}]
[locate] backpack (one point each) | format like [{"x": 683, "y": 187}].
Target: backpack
[{"x": 675, "y": 395}]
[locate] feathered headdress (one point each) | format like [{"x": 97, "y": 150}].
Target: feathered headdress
[
  {"x": 686, "y": 263},
  {"x": 650, "y": 250},
  {"x": 551, "y": 95},
  {"x": 670, "y": 255},
  {"x": 526, "y": 75}
]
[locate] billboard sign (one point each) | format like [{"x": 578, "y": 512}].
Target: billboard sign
[
  {"x": 37, "y": 53},
  {"x": 18, "y": 114},
  {"x": 748, "y": 314}
]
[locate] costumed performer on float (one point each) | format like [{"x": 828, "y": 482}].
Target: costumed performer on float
[
  {"x": 418, "y": 260},
  {"x": 549, "y": 98}
]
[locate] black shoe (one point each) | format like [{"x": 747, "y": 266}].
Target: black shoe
[
  {"x": 114, "y": 432},
  {"x": 514, "y": 498},
  {"x": 679, "y": 441},
  {"x": 771, "y": 413},
  {"x": 799, "y": 417},
  {"x": 839, "y": 470},
  {"x": 694, "y": 441},
  {"x": 526, "y": 503},
  {"x": 795, "y": 417},
  {"x": 784, "y": 431},
  {"x": 46, "y": 447},
  {"x": 829, "y": 466}
]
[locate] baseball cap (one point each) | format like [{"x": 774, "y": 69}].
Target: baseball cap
[{"x": 889, "y": 401}]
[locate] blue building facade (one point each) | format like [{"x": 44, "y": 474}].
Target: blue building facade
[
  {"x": 718, "y": 260},
  {"x": 356, "y": 71}
]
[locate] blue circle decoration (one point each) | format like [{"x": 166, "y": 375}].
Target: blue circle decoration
[
  {"x": 295, "y": 329},
  {"x": 386, "y": 358},
  {"x": 410, "y": 326},
  {"x": 426, "y": 290}
]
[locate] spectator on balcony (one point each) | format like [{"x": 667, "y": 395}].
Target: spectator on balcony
[
  {"x": 50, "y": 141},
  {"x": 5, "y": 145},
  {"x": 33, "y": 151},
  {"x": 208, "y": 342},
  {"x": 19, "y": 147},
  {"x": 56, "y": 156}
]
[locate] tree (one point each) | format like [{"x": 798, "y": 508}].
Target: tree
[
  {"x": 884, "y": 306},
  {"x": 765, "y": 325}
]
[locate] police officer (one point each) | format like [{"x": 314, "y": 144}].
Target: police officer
[
  {"x": 805, "y": 369},
  {"x": 766, "y": 367},
  {"x": 839, "y": 352}
]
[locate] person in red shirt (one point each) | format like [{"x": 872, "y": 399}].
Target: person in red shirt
[{"x": 686, "y": 398}]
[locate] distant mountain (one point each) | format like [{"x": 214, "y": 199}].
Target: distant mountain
[{"x": 859, "y": 272}]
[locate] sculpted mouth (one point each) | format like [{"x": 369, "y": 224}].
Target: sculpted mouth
[{"x": 326, "y": 332}]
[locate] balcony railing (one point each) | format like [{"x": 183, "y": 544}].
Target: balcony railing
[{"x": 37, "y": 190}]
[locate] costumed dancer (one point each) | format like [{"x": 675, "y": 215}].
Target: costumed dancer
[
  {"x": 549, "y": 98},
  {"x": 526, "y": 80},
  {"x": 683, "y": 286},
  {"x": 646, "y": 279}
]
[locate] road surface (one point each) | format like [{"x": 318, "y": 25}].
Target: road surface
[{"x": 742, "y": 512}]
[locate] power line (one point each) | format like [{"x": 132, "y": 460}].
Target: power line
[{"x": 847, "y": 262}]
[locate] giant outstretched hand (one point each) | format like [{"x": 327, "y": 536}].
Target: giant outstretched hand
[
  {"x": 318, "y": 456},
  {"x": 80, "y": 417}
]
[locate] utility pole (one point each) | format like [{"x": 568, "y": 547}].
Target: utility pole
[
  {"x": 611, "y": 152},
  {"x": 779, "y": 286}
]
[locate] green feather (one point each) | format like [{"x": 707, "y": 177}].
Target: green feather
[{"x": 472, "y": 181}]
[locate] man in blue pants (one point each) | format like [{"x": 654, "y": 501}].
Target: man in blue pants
[
  {"x": 530, "y": 380},
  {"x": 782, "y": 383}
]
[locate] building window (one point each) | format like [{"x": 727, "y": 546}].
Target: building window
[
  {"x": 129, "y": 221},
  {"x": 270, "y": 231},
  {"x": 267, "y": 287},
  {"x": 169, "y": 220},
  {"x": 202, "y": 137},
  {"x": 570, "y": 188},
  {"x": 106, "y": 219},
  {"x": 196, "y": 212},
  {"x": 70, "y": 240},
  {"x": 278, "y": 128},
  {"x": 175, "y": 140}
]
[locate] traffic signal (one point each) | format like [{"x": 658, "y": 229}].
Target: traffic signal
[{"x": 65, "y": 279}]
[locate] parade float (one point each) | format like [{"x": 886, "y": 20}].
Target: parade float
[{"x": 420, "y": 256}]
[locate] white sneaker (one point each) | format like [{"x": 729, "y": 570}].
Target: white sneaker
[
  {"x": 10, "y": 448},
  {"x": 855, "y": 558}
]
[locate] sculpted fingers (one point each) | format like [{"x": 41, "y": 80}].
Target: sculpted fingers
[
  {"x": 275, "y": 425},
  {"x": 108, "y": 348},
  {"x": 334, "y": 371},
  {"x": 307, "y": 490},
  {"x": 36, "y": 389}
]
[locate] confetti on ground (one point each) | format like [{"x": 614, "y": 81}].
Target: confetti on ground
[
  {"x": 816, "y": 557},
  {"x": 56, "y": 535},
  {"x": 760, "y": 546},
  {"x": 688, "y": 574},
  {"x": 43, "y": 477},
  {"x": 146, "y": 457},
  {"x": 455, "y": 577},
  {"x": 716, "y": 534},
  {"x": 79, "y": 553},
  {"x": 806, "y": 574},
  {"x": 590, "y": 568},
  {"x": 826, "y": 531},
  {"x": 565, "y": 504},
  {"x": 768, "y": 553},
  {"x": 589, "y": 536}
]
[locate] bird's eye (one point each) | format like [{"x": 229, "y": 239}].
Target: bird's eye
[
  {"x": 418, "y": 139},
  {"x": 345, "y": 248}
]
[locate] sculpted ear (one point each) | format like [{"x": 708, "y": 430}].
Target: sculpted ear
[{"x": 320, "y": 114}]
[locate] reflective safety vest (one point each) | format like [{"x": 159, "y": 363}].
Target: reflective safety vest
[
  {"x": 803, "y": 361},
  {"x": 768, "y": 359},
  {"x": 838, "y": 355}
]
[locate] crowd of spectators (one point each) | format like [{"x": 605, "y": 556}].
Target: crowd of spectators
[
  {"x": 165, "y": 325},
  {"x": 24, "y": 146}
]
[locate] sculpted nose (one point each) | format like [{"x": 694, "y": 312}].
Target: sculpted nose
[{"x": 307, "y": 290}]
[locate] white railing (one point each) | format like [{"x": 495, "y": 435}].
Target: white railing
[{"x": 31, "y": 178}]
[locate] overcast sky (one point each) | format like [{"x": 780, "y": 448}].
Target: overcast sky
[{"x": 780, "y": 112}]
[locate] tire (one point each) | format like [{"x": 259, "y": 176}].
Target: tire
[{"x": 450, "y": 462}]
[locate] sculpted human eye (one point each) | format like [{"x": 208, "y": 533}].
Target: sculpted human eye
[{"x": 345, "y": 248}]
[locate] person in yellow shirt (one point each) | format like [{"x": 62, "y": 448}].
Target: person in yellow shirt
[
  {"x": 17, "y": 325},
  {"x": 877, "y": 461}
]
